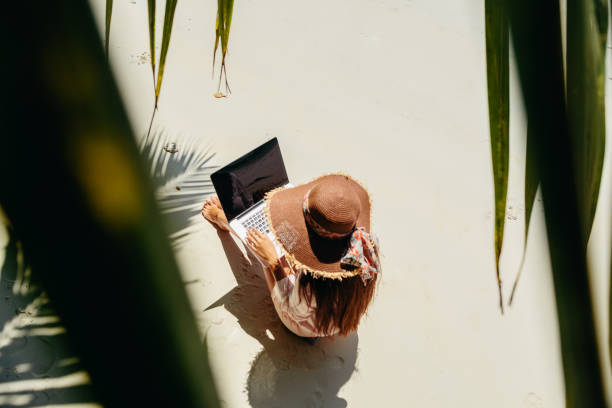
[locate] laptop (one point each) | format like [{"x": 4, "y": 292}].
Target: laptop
[{"x": 242, "y": 185}]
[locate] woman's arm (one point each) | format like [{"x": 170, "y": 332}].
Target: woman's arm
[
  {"x": 276, "y": 272},
  {"x": 275, "y": 269}
]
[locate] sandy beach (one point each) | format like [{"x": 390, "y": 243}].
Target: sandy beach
[{"x": 392, "y": 92}]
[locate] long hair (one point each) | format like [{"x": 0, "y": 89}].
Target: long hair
[{"x": 339, "y": 303}]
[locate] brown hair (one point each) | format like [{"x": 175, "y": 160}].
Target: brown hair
[{"x": 339, "y": 303}]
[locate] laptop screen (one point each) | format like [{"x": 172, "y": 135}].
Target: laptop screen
[{"x": 245, "y": 181}]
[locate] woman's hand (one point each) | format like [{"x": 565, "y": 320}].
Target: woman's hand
[{"x": 262, "y": 246}]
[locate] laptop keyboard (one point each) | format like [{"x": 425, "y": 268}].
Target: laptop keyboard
[{"x": 257, "y": 220}]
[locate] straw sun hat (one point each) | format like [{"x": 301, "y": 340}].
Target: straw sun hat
[{"x": 324, "y": 227}]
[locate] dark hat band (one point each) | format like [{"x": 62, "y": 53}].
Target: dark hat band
[{"x": 318, "y": 228}]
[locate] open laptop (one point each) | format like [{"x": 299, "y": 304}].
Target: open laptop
[{"x": 242, "y": 185}]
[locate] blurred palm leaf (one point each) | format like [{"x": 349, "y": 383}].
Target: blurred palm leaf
[
  {"x": 531, "y": 188},
  {"x": 109, "y": 13},
  {"x": 531, "y": 180},
  {"x": 601, "y": 15},
  {"x": 181, "y": 180},
  {"x": 103, "y": 256},
  {"x": 536, "y": 35},
  {"x": 586, "y": 38},
  {"x": 587, "y": 26},
  {"x": 496, "y": 27},
  {"x": 225, "y": 9}
]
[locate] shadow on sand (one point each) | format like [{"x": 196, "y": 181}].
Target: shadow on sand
[
  {"x": 181, "y": 180},
  {"x": 288, "y": 372},
  {"x": 37, "y": 365}
]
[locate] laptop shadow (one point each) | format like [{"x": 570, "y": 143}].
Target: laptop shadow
[{"x": 288, "y": 371}]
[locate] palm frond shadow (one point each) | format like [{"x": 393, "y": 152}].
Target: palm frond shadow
[
  {"x": 37, "y": 366},
  {"x": 182, "y": 181}
]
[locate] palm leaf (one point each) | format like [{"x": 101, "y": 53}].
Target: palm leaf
[
  {"x": 531, "y": 180},
  {"x": 496, "y": 27},
  {"x": 531, "y": 187},
  {"x": 586, "y": 36},
  {"x": 103, "y": 257},
  {"x": 587, "y": 26},
  {"x": 586, "y": 99},
  {"x": 217, "y": 36},
  {"x": 536, "y": 34},
  {"x": 601, "y": 15},
  {"x": 225, "y": 9},
  {"x": 151, "y": 9},
  {"x": 109, "y": 13},
  {"x": 166, "y": 34}
]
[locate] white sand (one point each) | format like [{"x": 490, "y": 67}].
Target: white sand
[{"x": 394, "y": 93}]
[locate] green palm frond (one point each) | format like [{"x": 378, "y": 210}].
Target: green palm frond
[
  {"x": 531, "y": 188},
  {"x": 496, "y": 27},
  {"x": 103, "y": 256},
  {"x": 165, "y": 45},
  {"x": 587, "y": 24},
  {"x": 151, "y": 11},
  {"x": 225, "y": 9},
  {"x": 536, "y": 35}
]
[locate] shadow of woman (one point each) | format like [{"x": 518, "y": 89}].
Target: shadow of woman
[{"x": 289, "y": 371}]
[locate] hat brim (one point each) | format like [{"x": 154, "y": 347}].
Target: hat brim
[{"x": 318, "y": 254}]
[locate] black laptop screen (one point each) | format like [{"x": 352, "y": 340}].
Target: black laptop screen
[{"x": 245, "y": 181}]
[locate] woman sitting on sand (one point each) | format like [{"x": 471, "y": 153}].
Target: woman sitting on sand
[{"x": 326, "y": 280}]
